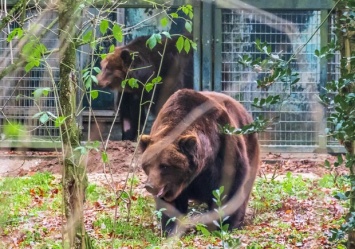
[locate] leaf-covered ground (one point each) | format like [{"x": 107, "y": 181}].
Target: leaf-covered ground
[{"x": 292, "y": 206}]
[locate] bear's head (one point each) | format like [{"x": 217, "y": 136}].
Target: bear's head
[
  {"x": 120, "y": 65},
  {"x": 114, "y": 68},
  {"x": 169, "y": 165}
]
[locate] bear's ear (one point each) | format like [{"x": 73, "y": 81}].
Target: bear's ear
[
  {"x": 144, "y": 142},
  {"x": 188, "y": 144},
  {"x": 126, "y": 57}
]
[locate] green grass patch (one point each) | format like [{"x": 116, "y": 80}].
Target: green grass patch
[
  {"x": 289, "y": 211},
  {"x": 22, "y": 198}
]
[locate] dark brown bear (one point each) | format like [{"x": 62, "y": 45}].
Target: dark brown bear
[
  {"x": 187, "y": 156},
  {"x": 136, "y": 60}
]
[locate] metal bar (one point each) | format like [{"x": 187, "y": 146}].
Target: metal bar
[
  {"x": 323, "y": 64},
  {"x": 206, "y": 29},
  {"x": 127, "y": 4},
  {"x": 198, "y": 52},
  {"x": 276, "y": 4},
  {"x": 217, "y": 83}
]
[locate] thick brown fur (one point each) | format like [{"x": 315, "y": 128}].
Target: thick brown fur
[
  {"x": 136, "y": 60},
  {"x": 186, "y": 156}
]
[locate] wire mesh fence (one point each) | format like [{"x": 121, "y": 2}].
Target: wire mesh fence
[
  {"x": 17, "y": 103},
  {"x": 300, "y": 115}
]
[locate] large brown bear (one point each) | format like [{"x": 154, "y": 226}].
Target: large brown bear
[
  {"x": 187, "y": 156},
  {"x": 136, "y": 60}
]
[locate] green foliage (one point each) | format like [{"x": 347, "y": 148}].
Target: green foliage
[
  {"x": 91, "y": 145},
  {"x": 227, "y": 240},
  {"x": 188, "y": 10},
  {"x": 270, "y": 100},
  {"x": 276, "y": 69},
  {"x": 26, "y": 200},
  {"x": 164, "y": 21},
  {"x": 270, "y": 194},
  {"x": 339, "y": 97},
  {"x": 104, "y": 25},
  {"x": 328, "y": 51},
  {"x": 88, "y": 77},
  {"x": 14, "y": 130},
  {"x": 117, "y": 32},
  {"x": 337, "y": 234},
  {"x": 259, "y": 124},
  {"x": 39, "y": 92},
  {"x": 132, "y": 82},
  {"x": 16, "y": 32},
  {"x": 18, "y": 193},
  {"x": 153, "y": 40},
  {"x": 59, "y": 121},
  {"x": 33, "y": 52},
  {"x": 185, "y": 43},
  {"x": 104, "y": 157},
  {"x": 150, "y": 85},
  {"x": 87, "y": 36}
]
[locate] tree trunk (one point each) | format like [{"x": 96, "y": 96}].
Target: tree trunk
[
  {"x": 347, "y": 48},
  {"x": 74, "y": 174}
]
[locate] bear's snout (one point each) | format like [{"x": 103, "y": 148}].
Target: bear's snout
[
  {"x": 150, "y": 188},
  {"x": 158, "y": 192}
]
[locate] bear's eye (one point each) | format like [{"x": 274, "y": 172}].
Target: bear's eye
[{"x": 163, "y": 167}]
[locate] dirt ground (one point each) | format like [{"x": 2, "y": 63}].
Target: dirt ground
[{"x": 120, "y": 153}]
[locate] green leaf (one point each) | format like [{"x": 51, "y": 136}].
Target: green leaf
[
  {"x": 13, "y": 129},
  {"x": 180, "y": 43},
  {"x": 149, "y": 87},
  {"x": 341, "y": 196},
  {"x": 187, "y": 46},
  {"x": 167, "y": 34},
  {"x": 117, "y": 32},
  {"x": 164, "y": 21},
  {"x": 44, "y": 118},
  {"x": 30, "y": 65},
  {"x": 317, "y": 53},
  {"x": 174, "y": 15},
  {"x": 15, "y": 32},
  {"x": 151, "y": 42},
  {"x": 94, "y": 94},
  {"x": 157, "y": 80},
  {"x": 96, "y": 69},
  {"x": 82, "y": 150},
  {"x": 188, "y": 26},
  {"x": 111, "y": 49},
  {"x": 27, "y": 49},
  {"x": 104, "y": 157},
  {"x": 193, "y": 45},
  {"x": 94, "y": 79},
  {"x": 133, "y": 83},
  {"x": 41, "y": 91},
  {"x": 124, "y": 83},
  {"x": 41, "y": 49},
  {"x": 59, "y": 121},
  {"x": 191, "y": 14},
  {"x": 87, "y": 36},
  {"x": 225, "y": 227},
  {"x": 88, "y": 82},
  {"x": 94, "y": 145},
  {"x": 203, "y": 230},
  {"x": 327, "y": 164},
  {"x": 104, "y": 26}
]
